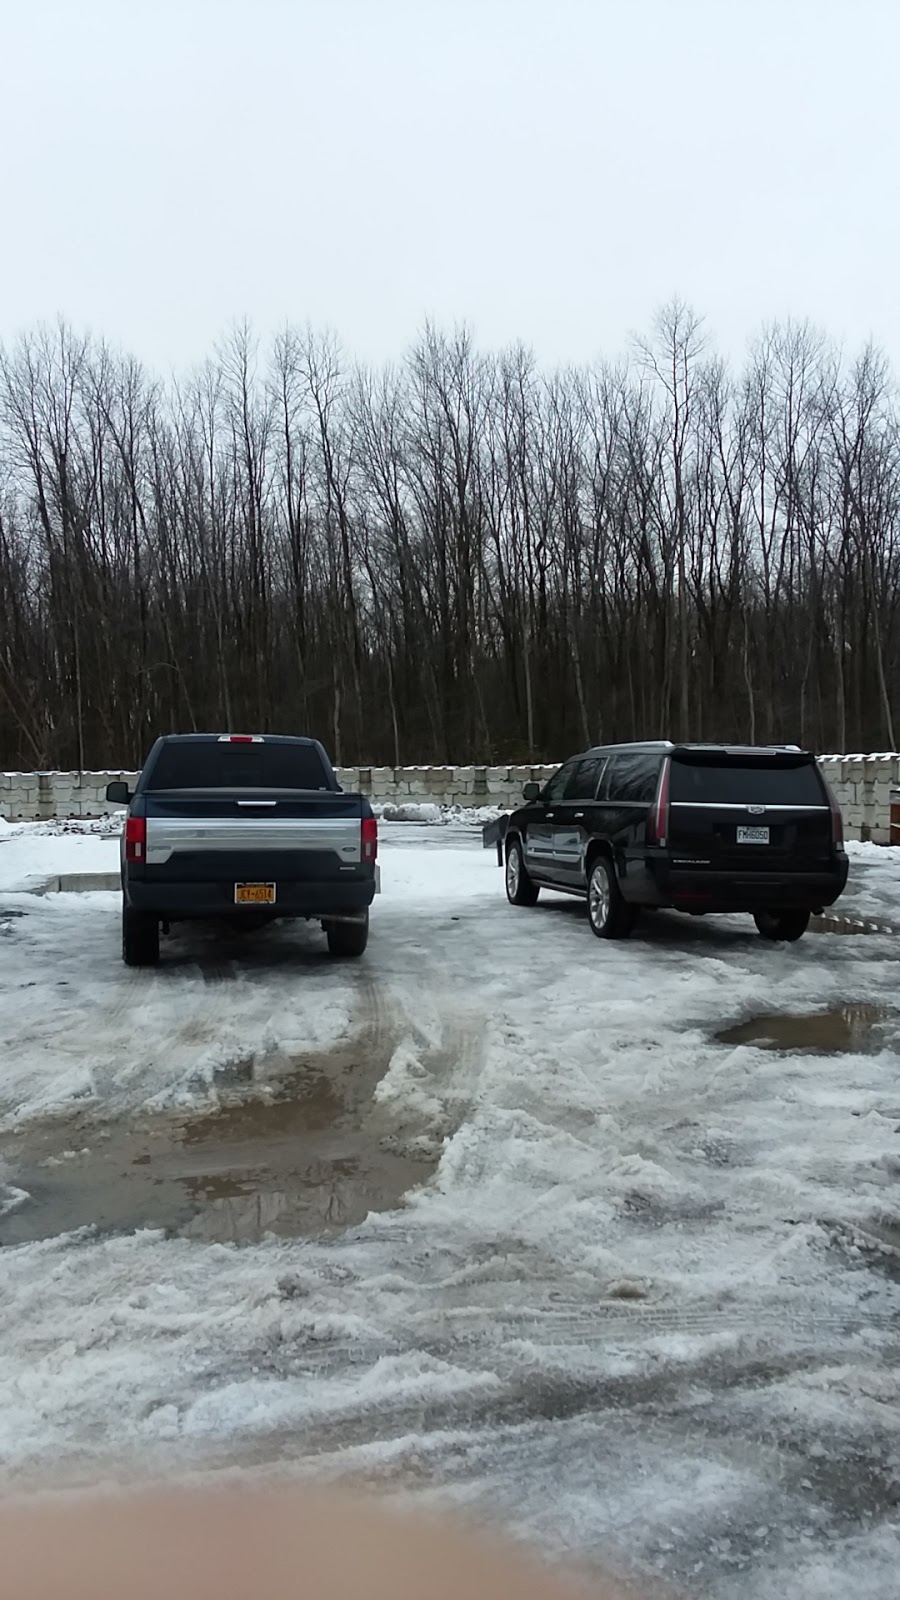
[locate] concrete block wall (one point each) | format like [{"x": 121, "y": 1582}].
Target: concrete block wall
[
  {"x": 443, "y": 786},
  {"x": 43, "y": 796},
  {"x": 862, "y": 784}
]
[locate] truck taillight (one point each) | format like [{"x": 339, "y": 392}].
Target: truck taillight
[
  {"x": 136, "y": 839},
  {"x": 369, "y": 839},
  {"x": 658, "y": 822}
]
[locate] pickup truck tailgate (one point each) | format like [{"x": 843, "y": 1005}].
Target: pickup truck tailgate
[{"x": 202, "y": 836}]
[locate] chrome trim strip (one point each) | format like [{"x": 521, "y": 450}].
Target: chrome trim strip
[
  {"x": 167, "y": 836},
  {"x": 734, "y": 805}
]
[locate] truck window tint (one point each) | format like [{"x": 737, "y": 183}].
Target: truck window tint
[
  {"x": 238, "y": 766},
  {"x": 556, "y": 788},
  {"x": 746, "y": 783},
  {"x": 583, "y": 783},
  {"x": 631, "y": 776}
]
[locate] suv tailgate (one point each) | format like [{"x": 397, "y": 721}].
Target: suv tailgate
[{"x": 749, "y": 813}]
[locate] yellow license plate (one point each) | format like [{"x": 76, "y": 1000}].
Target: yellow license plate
[{"x": 254, "y": 894}]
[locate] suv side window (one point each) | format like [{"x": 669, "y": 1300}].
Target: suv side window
[
  {"x": 633, "y": 775},
  {"x": 583, "y": 783},
  {"x": 556, "y": 788}
]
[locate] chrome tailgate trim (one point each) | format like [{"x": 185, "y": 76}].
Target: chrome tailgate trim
[{"x": 168, "y": 836}]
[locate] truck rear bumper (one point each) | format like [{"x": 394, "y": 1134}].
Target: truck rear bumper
[{"x": 182, "y": 902}]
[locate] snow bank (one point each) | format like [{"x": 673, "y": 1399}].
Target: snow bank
[
  {"x": 436, "y": 815},
  {"x": 32, "y": 853}
]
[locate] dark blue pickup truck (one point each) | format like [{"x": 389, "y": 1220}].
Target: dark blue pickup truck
[{"x": 244, "y": 827}]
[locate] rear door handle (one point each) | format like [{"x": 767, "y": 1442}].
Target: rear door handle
[{"x": 579, "y": 815}]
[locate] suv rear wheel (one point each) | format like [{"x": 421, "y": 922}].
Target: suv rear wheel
[
  {"x": 609, "y": 914},
  {"x": 140, "y": 938},
  {"x": 520, "y": 890},
  {"x": 782, "y": 926}
]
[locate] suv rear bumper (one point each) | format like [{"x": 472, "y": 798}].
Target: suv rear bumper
[
  {"x": 182, "y": 902},
  {"x": 693, "y": 889}
]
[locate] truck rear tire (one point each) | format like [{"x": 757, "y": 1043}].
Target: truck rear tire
[
  {"x": 140, "y": 938},
  {"x": 347, "y": 939}
]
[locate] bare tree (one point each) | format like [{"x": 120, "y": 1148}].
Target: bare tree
[{"x": 457, "y": 558}]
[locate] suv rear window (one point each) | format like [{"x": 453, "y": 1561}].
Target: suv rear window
[
  {"x": 746, "y": 783},
  {"x": 238, "y": 766}
]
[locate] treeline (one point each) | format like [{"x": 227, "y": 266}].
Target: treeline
[{"x": 459, "y": 558}]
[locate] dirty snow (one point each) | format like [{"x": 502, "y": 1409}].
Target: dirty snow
[
  {"x": 645, "y": 1312},
  {"x": 874, "y": 886},
  {"x": 391, "y": 811}
]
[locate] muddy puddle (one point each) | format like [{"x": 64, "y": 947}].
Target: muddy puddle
[
  {"x": 858, "y": 1028},
  {"x": 309, "y": 1155}
]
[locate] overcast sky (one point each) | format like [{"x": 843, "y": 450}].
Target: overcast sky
[{"x": 545, "y": 171}]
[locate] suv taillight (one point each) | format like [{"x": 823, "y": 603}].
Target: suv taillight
[
  {"x": 136, "y": 839},
  {"x": 369, "y": 839},
  {"x": 658, "y": 822},
  {"x": 837, "y": 821}
]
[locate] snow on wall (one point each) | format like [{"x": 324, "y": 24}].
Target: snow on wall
[{"x": 862, "y": 783}]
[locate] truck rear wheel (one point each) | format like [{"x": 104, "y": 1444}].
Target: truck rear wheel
[
  {"x": 347, "y": 939},
  {"x": 140, "y": 938}
]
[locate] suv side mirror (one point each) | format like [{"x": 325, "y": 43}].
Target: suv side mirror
[
  {"x": 531, "y": 792},
  {"x": 118, "y": 794}
]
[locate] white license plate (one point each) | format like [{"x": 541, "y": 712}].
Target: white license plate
[{"x": 753, "y": 836}]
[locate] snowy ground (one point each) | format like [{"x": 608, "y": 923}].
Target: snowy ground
[
  {"x": 645, "y": 1311},
  {"x": 874, "y": 886}
]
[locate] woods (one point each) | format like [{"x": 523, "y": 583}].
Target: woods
[{"x": 458, "y": 558}]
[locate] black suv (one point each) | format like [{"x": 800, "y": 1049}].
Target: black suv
[{"x": 696, "y": 827}]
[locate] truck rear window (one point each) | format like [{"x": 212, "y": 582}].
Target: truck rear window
[
  {"x": 746, "y": 783},
  {"x": 238, "y": 766}
]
